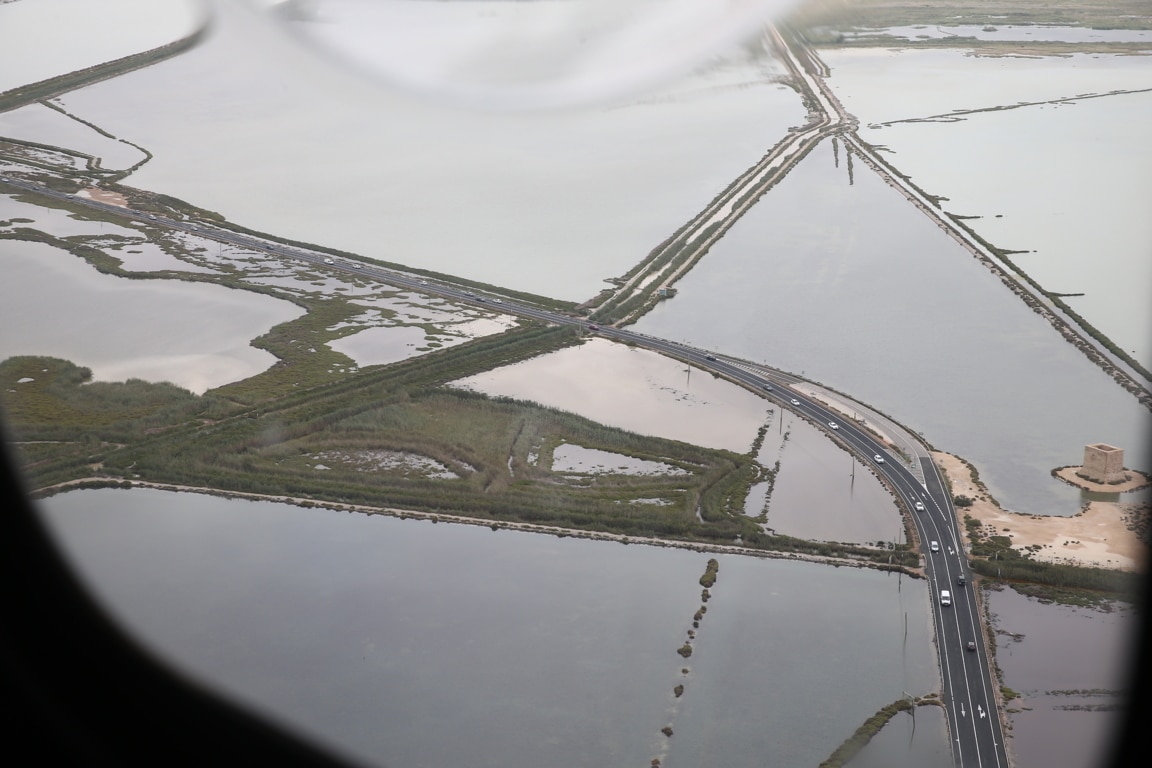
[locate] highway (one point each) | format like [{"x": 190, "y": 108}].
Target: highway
[{"x": 968, "y": 691}]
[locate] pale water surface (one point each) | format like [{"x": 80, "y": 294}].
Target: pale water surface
[
  {"x": 47, "y": 38},
  {"x": 194, "y": 335},
  {"x": 257, "y": 128},
  {"x": 42, "y": 125},
  {"x": 1059, "y": 658},
  {"x": 880, "y": 303},
  {"x": 636, "y": 390},
  {"x": 405, "y": 643},
  {"x": 822, "y": 492}
]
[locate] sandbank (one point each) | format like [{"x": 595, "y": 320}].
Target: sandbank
[{"x": 1100, "y": 535}]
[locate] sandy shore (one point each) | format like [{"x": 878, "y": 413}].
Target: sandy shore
[
  {"x": 104, "y": 196},
  {"x": 1099, "y": 535}
]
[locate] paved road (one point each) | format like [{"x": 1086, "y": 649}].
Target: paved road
[
  {"x": 967, "y": 686},
  {"x": 968, "y": 693}
]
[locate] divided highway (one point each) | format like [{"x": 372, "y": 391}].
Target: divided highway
[{"x": 968, "y": 693}]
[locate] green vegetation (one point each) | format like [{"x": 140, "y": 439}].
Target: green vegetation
[
  {"x": 685, "y": 650},
  {"x": 995, "y": 558},
  {"x": 323, "y": 443},
  {"x": 709, "y": 577},
  {"x": 44, "y": 89},
  {"x": 1067, "y": 584},
  {"x": 860, "y": 738}
]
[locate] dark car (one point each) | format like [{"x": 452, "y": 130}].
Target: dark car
[
  {"x": 971, "y": 645},
  {"x": 960, "y": 580}
]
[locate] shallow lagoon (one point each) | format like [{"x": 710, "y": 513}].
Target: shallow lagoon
[
  {"x": 881, "y": 304},
  {"x": 194, "y": 335},
  {"x": 411, "y": 643},
  {"x": 84, "y": 34},
  {"x": 645, "y": 393},
  {"x": 279, "y": 140},
  {"x": 822, "y": 492},
  {"x": 1059, "y": 657},
  {"x": 1068, "y": 183},
  {"x": 42, "y": 125}
]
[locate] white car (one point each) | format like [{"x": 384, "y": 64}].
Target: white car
[
  {"x": 934, "y": 546},
  {"x": 327, "y": 261},
  {"x": 919, "y": 506},
  {"x": 795, "y": 401},
  {"x": 834, "y": 425},
  {"x": 878, "y": 459}
]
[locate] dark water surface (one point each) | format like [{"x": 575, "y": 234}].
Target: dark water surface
[{"x": 409, "y": 643}]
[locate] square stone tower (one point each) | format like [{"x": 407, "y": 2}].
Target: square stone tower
[{"x": 1104, "y": 464}]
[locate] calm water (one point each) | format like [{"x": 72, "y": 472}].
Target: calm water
[
  {"x": 923, "y": 743},
  {"x": 1073, "y": 180},
  {"x": 84, "y": 34},
  {"x": 415, "y": 644},
  {"x": 822, "y": 492},
  {"x": 645, "y": 393},
  {"x": 879, "y": 303},
  {"x": 553, "y": 203},
  {"x": 43, "y": 125},
  {"x": 194, "y": 335},
  {"x": 1059, "y": 655}
]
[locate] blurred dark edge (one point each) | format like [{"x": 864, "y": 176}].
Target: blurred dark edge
[{"x": 77, "y": 691}]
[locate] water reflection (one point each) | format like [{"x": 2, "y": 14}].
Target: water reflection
[
  {"x": 413, "y": 643},
  {"x": 822, "y": 492},
  {"x": 1070, "y": 665},
  {"x": 635, "y": 390},
  {"x": 1079, "y": 222},
  {"x": 194, "y": 335},
  {"x": 568, "y": 200},
  {"x": 882, "y": 304},
  {"x": 909, "y": 743}
]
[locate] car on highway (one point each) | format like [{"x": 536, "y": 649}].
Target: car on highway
[
  {"x": 327, "y": 261},
  {"x": 961, "y": 581},
  {"x": 766, "y": 387},
  {"x": 971, "y": 645},
  {"x": 945, "y": 597},
  {"x": 934, "y": 546},
  {"x": 878, "y": 459},
  {"x": 709, "y": 357},
  {"x": 794, "y": 401},
  {"x": 833, "y": 425},
  {"x": 423, "y": 282},
  {"x": 919, "y": 506},
  {"x": 498, "y": 301},
  {"x": 593, "y": 327}
]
